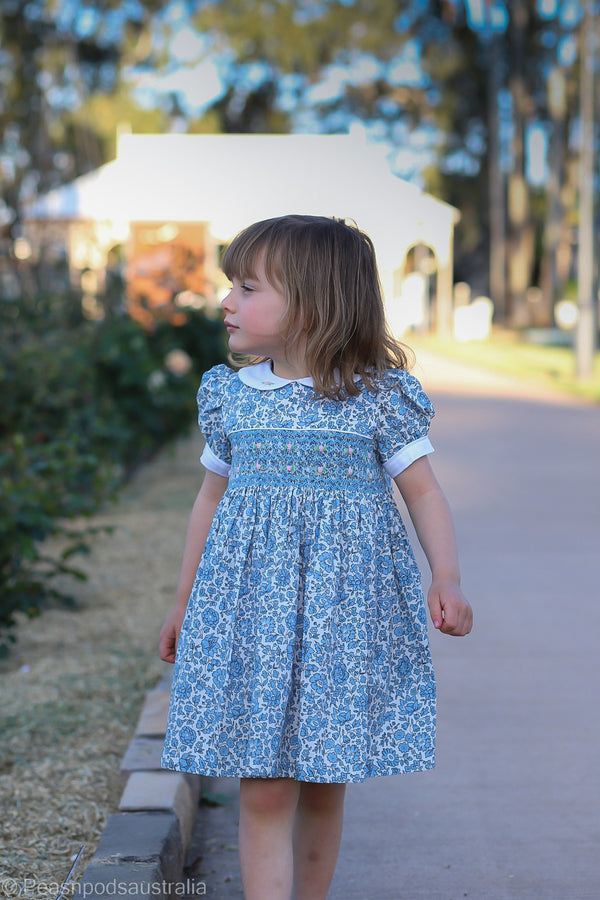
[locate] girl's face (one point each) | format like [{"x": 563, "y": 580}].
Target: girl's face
[{"x": 254, "y": 316}]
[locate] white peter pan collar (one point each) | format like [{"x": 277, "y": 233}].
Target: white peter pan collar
[{"x": 262, "y": 377}]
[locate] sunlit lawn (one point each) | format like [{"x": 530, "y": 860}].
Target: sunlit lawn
[{"x": 508, "y": 353}]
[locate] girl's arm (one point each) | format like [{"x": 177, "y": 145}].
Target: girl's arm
[
  {"x": 430, "y": 514},
  {"x": 203, "y": 511}
]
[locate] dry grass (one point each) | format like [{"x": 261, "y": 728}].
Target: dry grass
[{"x": 73, "y": 687}]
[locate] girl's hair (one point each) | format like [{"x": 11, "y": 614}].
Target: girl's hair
[{"x": 327, "y": 272}]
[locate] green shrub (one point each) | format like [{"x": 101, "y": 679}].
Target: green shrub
[
  {"x": 41, "y": 487},
  {"x": 83, "y": 403}
]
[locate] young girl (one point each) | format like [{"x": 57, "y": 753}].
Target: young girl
[{"x": 302, "y": 652}]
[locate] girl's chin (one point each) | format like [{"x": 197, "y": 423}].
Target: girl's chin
[{"x": 237, "y": 345}]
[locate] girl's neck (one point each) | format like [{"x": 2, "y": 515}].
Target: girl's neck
[{"x": 289, "y": 368}]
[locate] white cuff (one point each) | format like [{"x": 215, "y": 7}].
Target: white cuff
[
  {"x": 212, "y": 462},
  {"x": 407, "y": 455}
]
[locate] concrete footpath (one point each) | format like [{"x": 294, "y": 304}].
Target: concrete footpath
[{"x": 513, "y": 808}]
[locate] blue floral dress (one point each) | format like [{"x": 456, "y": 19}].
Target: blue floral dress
[{"x": 304, "y": 650}]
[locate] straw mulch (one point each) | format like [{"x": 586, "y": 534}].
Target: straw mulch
[{"x": 73, "y": 687}]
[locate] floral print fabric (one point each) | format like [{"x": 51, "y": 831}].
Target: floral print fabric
[{"x": 304, "y": 649}]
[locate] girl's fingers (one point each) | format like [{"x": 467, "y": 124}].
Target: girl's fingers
[
  {"x": 435, "y": 611},
  {"x": 450, "y": 615},
  {"x": 167, "y": 646},
  {"x": 461, "y": 621}
]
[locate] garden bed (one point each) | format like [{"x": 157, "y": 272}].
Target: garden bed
[{"x": 74, "y": 683}]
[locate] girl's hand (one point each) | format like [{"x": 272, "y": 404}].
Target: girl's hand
[
  {"x": 203, "y": 511},
  {"x": 450, "y": 611},
  {"x": 169, "y": 635}
]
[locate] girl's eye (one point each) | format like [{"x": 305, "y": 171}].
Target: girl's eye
[{"x": 246, "y": 288}]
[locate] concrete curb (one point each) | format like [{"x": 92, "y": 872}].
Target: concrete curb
[{"x": 144, "y": 845}]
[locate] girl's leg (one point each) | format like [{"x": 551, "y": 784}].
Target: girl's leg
[
  {"x": 317, "y": 836},
  {"x": 267, "y": 808}
]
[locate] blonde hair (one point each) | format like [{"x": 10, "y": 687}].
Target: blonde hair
[{"x": 327, "y": 273}]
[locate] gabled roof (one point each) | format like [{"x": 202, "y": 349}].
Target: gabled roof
[{"x": 232, "y": 180}]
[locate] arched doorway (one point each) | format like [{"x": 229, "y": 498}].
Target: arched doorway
[{"x": 419, "y": 285}]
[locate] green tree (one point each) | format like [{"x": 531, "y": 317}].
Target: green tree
[
  {"x": 472, "y": 83},
  {"x": 425, "y": 74},
  {"x": 57, "y": 61}
]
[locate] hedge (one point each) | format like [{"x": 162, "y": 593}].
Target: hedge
[{"x": 83, "y": 403}]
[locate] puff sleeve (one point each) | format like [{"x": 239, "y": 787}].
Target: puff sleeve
[
  {"x": 404, "y": 414},
  {"x": 217, "y": 452}
]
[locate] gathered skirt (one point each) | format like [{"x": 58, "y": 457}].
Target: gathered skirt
[{"x": 304, "y": 651}]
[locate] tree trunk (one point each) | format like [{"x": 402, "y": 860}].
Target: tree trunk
[
  {"x": 521, "y": 230},
  {"x": 585, "y": 345},
  {"x": 553, "y": 227},
  {"x": 497, "y": 186}
]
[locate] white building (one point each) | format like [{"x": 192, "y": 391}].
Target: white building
[{"x": 221, "y": 183}]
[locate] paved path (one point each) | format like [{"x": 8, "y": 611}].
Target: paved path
[{"x": 513, "y": 807}]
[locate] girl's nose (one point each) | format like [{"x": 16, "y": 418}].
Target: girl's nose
[{"x": 226, "y": 302}]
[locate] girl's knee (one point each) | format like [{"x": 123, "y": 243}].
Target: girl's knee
[
  {"x": 322, "y": 798},
  {"x": 268, "y": 796}
]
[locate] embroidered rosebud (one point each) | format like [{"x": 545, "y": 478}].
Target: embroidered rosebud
[
  {"x": 350, "y": 451},
  {"x": 322, "y": 448},
  {"x": 259, "y": 446},
  {"x": 349, "y": 470},
  {"x": 288, "y": 468},
  {"x": 290, "y": 446},
  {"x": 320, "y": 470},
  {"x": 258, "y": 467}
]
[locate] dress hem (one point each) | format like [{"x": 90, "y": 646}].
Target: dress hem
[{"x": 298, "y": 775}]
